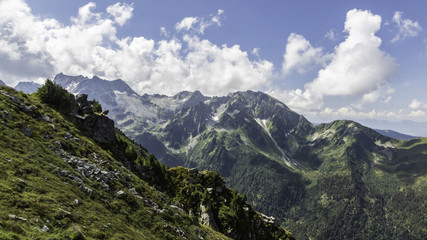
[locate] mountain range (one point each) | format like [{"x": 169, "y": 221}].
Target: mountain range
[
  {"x": 68, "y": 173},
  {"x": 339, "y": 180},
  {"x": 27, "y": 87}
]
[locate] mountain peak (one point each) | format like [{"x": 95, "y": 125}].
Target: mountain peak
[{"x": 27, "y": 87}]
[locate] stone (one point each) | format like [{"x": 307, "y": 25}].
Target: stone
[
  {"x": 81, "y": 99},
  {"x": 76, "y": 201},
  {"x": 68, "y": 136},
  {"x": 120, "y": 193},
  {"x": 44, "y": 229},
  {"x": 103, "y": 130},
  {"x": 29, "y": 109},
  {"x": 7, "y": 115},
  {"x": 45, "y": 118},
  {"x": 86, "y": 190}
]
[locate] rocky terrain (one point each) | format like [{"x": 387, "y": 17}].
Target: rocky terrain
[
  {"x": 68, "y": 173},
  {"x": 329, "y": 181}
]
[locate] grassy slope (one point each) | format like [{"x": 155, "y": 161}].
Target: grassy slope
[
  {"x": 36, "y": 202},
  {"x": 368, "y": 186}
]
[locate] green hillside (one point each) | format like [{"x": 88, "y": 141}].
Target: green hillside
[
  {"x": 67, "y": 173},
  {"x": 332, "y": 181}
]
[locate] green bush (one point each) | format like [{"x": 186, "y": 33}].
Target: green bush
[
  {"x": 55, "y": 96},
  {"x": 97, "y": 108}
]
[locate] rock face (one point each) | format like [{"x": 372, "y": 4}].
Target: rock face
[
  {"x": 98, "y": 127},
  {"x": 207, "y": 217},
  {"x": 2, "y": 83}
]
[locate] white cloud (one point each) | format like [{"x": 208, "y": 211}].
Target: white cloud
[
  {"x": 86, "y": 15},
  {"x": 32, "y": 47},
  {"x": 407, "y": 28},
  {"x": 199, "y": 24},
  {"x": 186, "y": 23},
  {"x": 331, "y": 35},
  {"x": 121, "y": 12},
  {"x": 418, "y": 113},
  {"x": 300, "y": 55},
  {"x": 298, "y": 100},
  {"x": 358, "y": 65},
  {"x": 416, "y": 104},
  {"x": 163, "y": 32},
  {"x": 349, "y": 112}
]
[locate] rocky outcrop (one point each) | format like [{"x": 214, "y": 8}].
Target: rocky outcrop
[
  {"x": 206, "y": 217},
  {"x": 97, "y": 126}
]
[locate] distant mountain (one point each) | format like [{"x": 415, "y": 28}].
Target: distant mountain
[
  {"x": 2, "y": 83},
  {"x": 395, "y": 135},
  {"x": 68, "y": 176},
  {"x": 27, "y": 87},
  {"x": 408, "y": 127},
  {"x": 339, "y": 180}
]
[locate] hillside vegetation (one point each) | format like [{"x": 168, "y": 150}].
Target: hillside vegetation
[
  {"x": 67, "y": 173},
  {"x": 338, "y": 180}
]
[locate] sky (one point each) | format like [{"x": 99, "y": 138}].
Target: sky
[{"x": 332, "y": 59}]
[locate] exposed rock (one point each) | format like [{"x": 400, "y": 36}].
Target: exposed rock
[
  {"x": 68, "y": 136},
  {"x": 120, "y": 193},
  {"x": 268, "y": 219},
  {"x": 98, "y": 127},
  {"x": 86, "y": 190},
  {"x": 207, "y": 218},
  {"x": 44, "y": 229}
]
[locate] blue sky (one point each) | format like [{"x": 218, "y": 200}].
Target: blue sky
[{"x": 361, "y": 60}]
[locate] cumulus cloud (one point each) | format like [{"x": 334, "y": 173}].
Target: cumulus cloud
[
  {"x": 199, "y": 24},
  {"x": 358, "y": 65},
  {"x": 300, "y": 55},
  {"x": 32, "y": 47},
  {"x": 406, "y": 27},
  {"x": 416, "y": 104},
  {"x": 418, "y": 113},
  {"x": 298, "y": 100},
  {"x": 121, "y": 12},
  {"x": 186, "y": 23}
]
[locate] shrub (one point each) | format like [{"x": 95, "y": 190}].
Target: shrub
[
  {"x": 55, "y": 96},
  {"x": 97, "y": 108}
]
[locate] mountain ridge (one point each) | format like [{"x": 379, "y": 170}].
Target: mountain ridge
[
  {"x": 315, "y": 180},
  {"x": 74, "y": 176}
]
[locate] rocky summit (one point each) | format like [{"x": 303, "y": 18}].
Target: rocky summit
[{"x": 68, "y": 173}]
